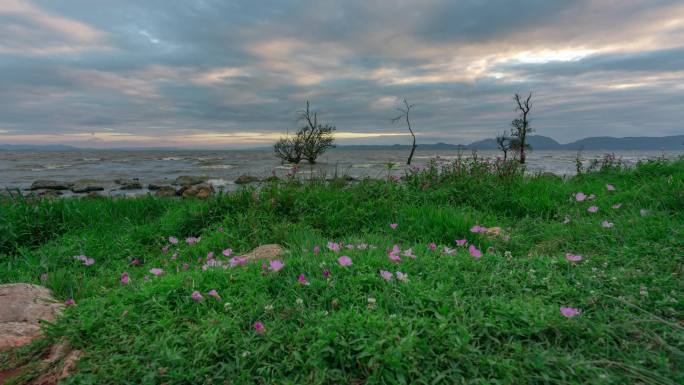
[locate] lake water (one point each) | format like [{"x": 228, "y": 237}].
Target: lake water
[{"x": 19, "y": 169}]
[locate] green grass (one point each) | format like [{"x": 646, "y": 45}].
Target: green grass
[{"x": 495, "y": 320}]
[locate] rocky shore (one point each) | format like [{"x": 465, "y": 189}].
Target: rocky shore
[{"x": 185, "y": 186}]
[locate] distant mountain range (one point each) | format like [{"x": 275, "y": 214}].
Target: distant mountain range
[{"x": 538, "y": 142}]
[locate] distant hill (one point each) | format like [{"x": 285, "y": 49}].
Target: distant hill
[
  {"x": 607, "y": 143},
  {"x": 37, "y": 147}
]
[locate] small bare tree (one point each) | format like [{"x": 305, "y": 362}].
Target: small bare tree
[
  {"x": 309, "y": 142},
  {"x": 505, "y": 143},
  {"x": 315, "y": 138},
  {"x": 405, "y": 115},
  {"x": 521, "y": 125}
]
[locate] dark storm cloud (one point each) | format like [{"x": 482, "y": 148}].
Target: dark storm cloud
[{"x": 167, "y": 70}]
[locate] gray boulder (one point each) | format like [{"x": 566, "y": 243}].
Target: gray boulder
[
  {"x": 129, "y": 184},
  {"x": 50, "y": 185},
  {"x": 189, "y": 180}
]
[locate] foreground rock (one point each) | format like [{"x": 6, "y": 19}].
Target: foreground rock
[
  {"x": 23, "y": 307},
  {"x": 189, "y": 180},
  {"x": 245, "y": 179},
  {"x": 49, "y": 185},
  {"x": 264, "y": 252},
  {"x": 200, "y": 191},
  {"x": 129, "y": 184}
]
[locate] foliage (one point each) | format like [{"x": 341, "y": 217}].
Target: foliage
[{"x": 458, "y": 320}]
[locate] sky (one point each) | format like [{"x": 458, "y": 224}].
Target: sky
[{"x": 233, "y": 74}]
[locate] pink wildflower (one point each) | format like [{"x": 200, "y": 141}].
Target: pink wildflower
[
  {"x": 474, "y": 251},
  {"x": 616, "y": 206},
  {"x": 237, "y": 261},
  {"x": 350, "y": 246},
  {"x": 89, "y": 262},
  {"x": 344, "y": 261},
  {"x": 227, "y": 252},
  {"x": 173, "y": 240},
  {"x": 196, "y": 296},
  {"x": 394, "y": 257},
  {"x": 316, "y": 250},
  {"x": 478, "y": 229},
  {"x": 432, "y": 246},
  {"x": 185, "y": 266},
  {"x": 610, "y": 187},
  {"x": 156, "y": 271},
  {"x": 461, "y": 242},
  {"x": 214, "y": 293},
  {"x": 569, "y": 311},
  {"x": 70, "y": 302},
  {"x": 165, "y": 249},
  {"x": 333, "y": 246},
  {"x": 210, "y": 255},
  {"x": 275, "y": 265},
  {"x": 409, "y": 253},
  {"x": 326, "y": 274},
  {"x": 135, "y": 262},
  {"x": 302, "y": 279},
  {"x": 393, "y": 226},
  {"x": 259, "y": 327},
  {"x": 402, "y": 276},
  {"x": 192, "y": 240},
  {"x": 573, "y": 258},
  {"x": 580, "y": 196},
  {"x": 174, "y": 256},
  {"x": 125, "y": 279},
  {"x": 607, "y": 224},
  {"x": 593, "y": 209},
  {"x": 386, "y": 275},
  {"x": 43, "y": 277}
]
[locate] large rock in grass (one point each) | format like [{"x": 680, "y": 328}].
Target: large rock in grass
[
  {"x": 270, "y": 251},
  {"x": 165, "y": 192},
  {"x": 22, "y": 307},
  {"x": 50, "y": 185}
]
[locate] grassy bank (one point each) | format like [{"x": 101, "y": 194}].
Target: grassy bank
[{"x": 455, "y": 319}]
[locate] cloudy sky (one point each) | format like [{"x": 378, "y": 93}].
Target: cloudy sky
[{"x": 233, "y": 73}]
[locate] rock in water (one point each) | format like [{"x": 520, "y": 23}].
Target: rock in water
[
  {"x": 197, "y": 191},
  {"x": 22, "y": 307},
  {"x": 49, "y": 185},
  {"x": 189, "y": 180},
  {"x": 245, "y": 179},
  {"x": 86, "y": 188},
  {"x": 264, "y": 252},
  {"x": 129, "y": 184}
]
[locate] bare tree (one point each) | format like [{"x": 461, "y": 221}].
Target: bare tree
[
  {"x": 316, "y": 138},
  {"x": 405, "y": 115},
  {"x": 505, "y": 143},
  {"x": 310, "y": 141},
  {"x": 521, "y": 125}
]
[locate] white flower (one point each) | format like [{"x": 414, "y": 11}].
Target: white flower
[
  {"x": 299, "y": 301},
  {"x": 268, "y": 308}
]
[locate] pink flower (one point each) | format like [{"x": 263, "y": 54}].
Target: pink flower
[
  {"x": 409, "y": 253},
  {"x": 173, "y": 240},
  {"x": 135, "y": 262},
  {"x": 302, "y": 279},
  {"x": 607, "y": 224},
  {"x": 432, "y": 246},
  {"x": 237, "y": 261},
  {"x": 125, "y": 279},
  {"x": 474, "y": 251},
  {"x": 156, "y": 271},
  {"x": 165, "y": 249},
  {"x": 393, "y": 226},
  {"x": 326, "y": 274},
  {"x": 386, "y": 275},
  {"x": 593, "y": 209},
  {"x": 43, "y": 277},
  {"x": 192, "y": 240},
  {"x": 275, "y": 265},
  {"x": 259, "y": 327},
  {"x": 569, "y": 311},
  {"x": 227, "y": 252},
  {"x": 70, "y": 302},
  {"x": 402, "y": 276},
  {"x": 610, "y": 187},
  {"x": 196, "y": 296},
  {"x": 344, "y": 261},
  {"x": 185, "y": 266},
  {"x": 579, "y": 197},
  {"x": 89, "y": 261},
  {"x": 350, "y": 246},
  {"x": 316, "y": 250},
  {"x": 174, "y": 256},
  {"x": 616, "y": 206},
  {"x": 214, "y": 293},
  {"x": 448, "y": 251},
  {"x": 333, "y": 246},
  {"x": 394, "y": 257},
  {"x": 478, "y": 229},
  {"x": 572, "y": 257},
  {"x": 210, "y": 255},
  {"x": 461, "y": 242}
]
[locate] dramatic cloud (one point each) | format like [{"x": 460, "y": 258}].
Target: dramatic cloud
[{"x": 205, "y": 73}]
